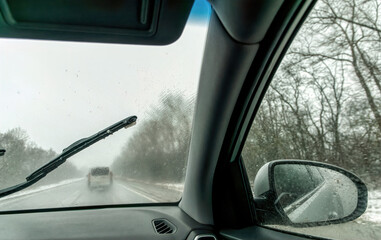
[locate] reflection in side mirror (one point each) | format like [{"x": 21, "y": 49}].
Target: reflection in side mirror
[
  {"x": 313, "y": 194},
  {"x": 304, "y": 193}
]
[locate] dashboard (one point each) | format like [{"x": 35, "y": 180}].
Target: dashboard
[{"x": 148, "y": 222}]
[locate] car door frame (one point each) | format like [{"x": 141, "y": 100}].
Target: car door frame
[{"x": 233, "y": 81}]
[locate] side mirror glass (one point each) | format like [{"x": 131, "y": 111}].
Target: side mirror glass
[{"x": 305, "y": 193}]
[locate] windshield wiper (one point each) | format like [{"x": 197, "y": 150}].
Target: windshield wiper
[{"x": 71, "y": 150}]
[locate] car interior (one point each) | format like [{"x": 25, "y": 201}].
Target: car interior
[{"x": 245, "y": 43}]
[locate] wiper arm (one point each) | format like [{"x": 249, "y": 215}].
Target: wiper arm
[
  {"x": 79, "y": 145},
  {"x": 71, "y": 150}
]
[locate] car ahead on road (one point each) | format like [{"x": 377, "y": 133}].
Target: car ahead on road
[
  {"x": 244, "y": 45},
  {"x": 99, "y": 177}
]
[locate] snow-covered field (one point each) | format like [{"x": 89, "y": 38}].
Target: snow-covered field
[
  {"x": 179, "y": 187},
  {"x": 173, "y": 186},
  {"x": 373, "y": 212}
]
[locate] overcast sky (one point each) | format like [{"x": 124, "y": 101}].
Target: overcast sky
[{"x": 59, "y": 92}]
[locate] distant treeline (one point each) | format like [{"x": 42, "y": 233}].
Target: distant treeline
[
  {"x": 158, "y": 151},
  {"x": 22, "y": 157}
]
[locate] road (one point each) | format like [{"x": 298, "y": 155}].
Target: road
[{"x": 76, "y": 193}]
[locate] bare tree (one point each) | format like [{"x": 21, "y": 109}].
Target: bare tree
[
  {"x": 324, "y": 102},
  {"x": 158, "y": 150}
]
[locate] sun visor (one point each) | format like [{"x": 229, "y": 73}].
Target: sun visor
[{"x": 153, "y": 22}]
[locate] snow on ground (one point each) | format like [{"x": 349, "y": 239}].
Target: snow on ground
[
  {"x": 173, "y": 186},
  {"x": 373, "y": 212},
  {"x": 41, "y": 188},
  {"x": 179, "y": 187}
]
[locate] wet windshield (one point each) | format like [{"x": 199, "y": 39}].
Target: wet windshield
[{"x": 55, "y": 93}]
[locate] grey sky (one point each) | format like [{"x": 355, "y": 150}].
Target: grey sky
[{"x": 60, "y": 92}]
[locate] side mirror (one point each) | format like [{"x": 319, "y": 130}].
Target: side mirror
[{"x": 305, "y": 194}]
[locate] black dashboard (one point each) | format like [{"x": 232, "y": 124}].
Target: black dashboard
[{"x": 103, "y": 223}]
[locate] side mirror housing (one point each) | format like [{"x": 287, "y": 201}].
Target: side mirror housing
[{"x": 306, "y": 193}]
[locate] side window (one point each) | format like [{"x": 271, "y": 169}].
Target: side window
[{"x": 324, "y": 104}]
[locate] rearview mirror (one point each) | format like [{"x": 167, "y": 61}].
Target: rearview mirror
[{"x": 305, "y": 193}]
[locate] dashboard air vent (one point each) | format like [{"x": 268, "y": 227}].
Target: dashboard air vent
[{"x": 163, "y": 226}]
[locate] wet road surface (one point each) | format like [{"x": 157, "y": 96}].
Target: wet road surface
[{"x": 76, "y": 193}]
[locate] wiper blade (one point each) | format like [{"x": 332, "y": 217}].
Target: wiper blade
[
  {"x": 71, "y": 150},
  {"x": 80, "y": 145}
]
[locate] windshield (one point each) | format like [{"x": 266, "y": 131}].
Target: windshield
[{"x": 53, "y": 94}]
